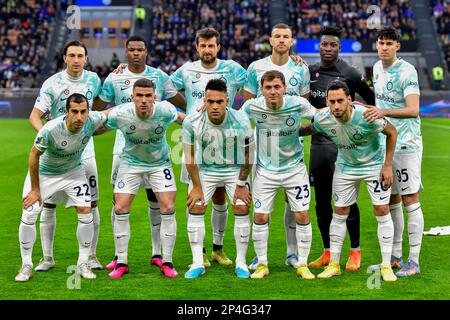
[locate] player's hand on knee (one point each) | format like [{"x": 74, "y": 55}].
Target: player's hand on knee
[
  {"x": 195, "y": 197},
  {"x": 120, "y": 68},
  {"x": 243, "y": 194},
  {"x": 386, "y": 176},
  {"x": 32, "y": 197}
]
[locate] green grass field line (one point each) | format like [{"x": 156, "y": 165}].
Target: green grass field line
[{"x": 146, "y": 282}]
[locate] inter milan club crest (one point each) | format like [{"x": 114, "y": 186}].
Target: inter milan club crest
[
  {"x": 264, "y": 116},
  {"x": 389, "y": 85},
  {"x": 89, "y": 95},
  {"x": 159, "y": 130},
  {"x": 66, "y": 92},
  {"x": 333, "y": 131},
  {"x": 85, "y": 140},
  {"x": 357, "y": 136},
  {"x": 64, "y": 143},
  {"x": 335, "y": 197},
  {"x": 121, "y": 184},
  {"x": 257, "y": 204},
  {"x": 132, "y": 127},
  {"x": 198, "y": 75},
  {"x": 293, "y": 81},
  {"x": 290, "y": 121}
]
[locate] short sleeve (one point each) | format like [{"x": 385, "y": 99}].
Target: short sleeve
[
  {"x": 42, "y": 139},
  {"x": 168, "y": 89},
  {"x": 188, "y": 132},
  {"x": 240, "y": 75},
  {"x": 112, "y": 120},
  {"x": 98, "y": 86},
  {"x": 44, "y": 100},
  {"x": 379, "y": 124},
  {"x": 410, "y": 83},
  {"x": 307, "y": 111},
  {"x": 306, "y": 79},
  {"x": 97, "y": 118},
  {"x": 107, "y": 92},
  {"x": 251, "y": 82},
  {"x": 177, "y": 79}
]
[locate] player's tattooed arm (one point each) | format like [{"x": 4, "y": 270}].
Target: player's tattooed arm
[
  {"x": 247, "y": 95},
  {"x": 178, "y": 101},
  {"x": 306, "y": 130},
  {"x": 33, "y": 164},
  {"x": 195, "y": 199},
  {"x": 386, "y": 174},
  {"x": 242, "y": 192},
  {"x": 99, "y": 104}
]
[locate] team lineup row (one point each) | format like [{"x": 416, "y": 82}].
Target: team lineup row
[{"x": 273, "y": 90}]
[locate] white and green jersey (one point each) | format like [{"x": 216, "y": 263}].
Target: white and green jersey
[
  {"x": 62, "y": 149},
  {"x": 56, "y": 89},
  {"x": 279, "y": 149},
  {"x": 119, "y": 87},
  {"x": 145, "y": 140},
  {"x": 358, "y": 141},
  {"x": 296, "y": 76},
  {"x": 219, "y": 148},
  {"x": 193, "y": 77},
  {"x": 392, "y": 86}
]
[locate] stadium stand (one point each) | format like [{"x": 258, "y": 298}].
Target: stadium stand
[
  {"x": 307, "y": 17},
  {"x": 440, "y": 9},
  {"x": 24, "y": 30}
]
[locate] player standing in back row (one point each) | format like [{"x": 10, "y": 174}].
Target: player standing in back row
[{"x": 397, "y": 97}]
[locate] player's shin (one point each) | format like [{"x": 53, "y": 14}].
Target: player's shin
[
  {"x": 154, "y": 215},
  {"x": 196, "y": 233},
  {"x": 85, "y": 232},
  {"x": 338, "y": 229},
  {"x": 27, "y": 233},
  {"x": 122, "y": 235},
  {"x": 168, "y": 235},
  {"x": 415, "y": 230},
  {"x": 242, "y": 237},
  {"x": 385, "y": 237},
  {"x": 304, "y": 238},
  {"x": 96, "y": 217},
  {"x": 219, "y": 219},
  {"x": 47, "y": 226},
  {"x": 290, "y": 229},
  {"x": 260, "y": 238},
  {"x": 399, "y": 225}
]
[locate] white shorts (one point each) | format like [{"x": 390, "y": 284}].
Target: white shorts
[
  {"x": 71, "y": 187},
  {"x": 210, "y": 183},
  {"x": 159, "y": 179},
  {"x": 346, "y": 189},
  {"x": 295, "y": 183},
  {"x": 90, "y": 168},
  {"x": 407, "y": 173}
]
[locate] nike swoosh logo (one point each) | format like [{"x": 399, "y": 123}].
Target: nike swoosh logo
[
  {"x": 168, "y": 185},
  {"x": 63, "y": 99},
  {"x": 387, "y": 237},
  {"x": 312, "y": 81},
  {"x": 193, "y": 82},
  {"x": 305, "y": 203},
  {"x": 221, "y": 231},
  {"x": 259, "y": 121},
  {"x": 120, "y": 237},
  {"x": 121, "y": 89},
  {"x": 21, "y": 242},
  {"x": 382, "y": 198},
  {"x": 403, "y": 189},
  {"x": 129, "y": 132},
  {"x": 244, "y": 236},
  {"x": 87, "y": 200}
]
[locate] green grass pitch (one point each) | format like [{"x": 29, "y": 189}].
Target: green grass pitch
[{"x": 219, "y": 282}]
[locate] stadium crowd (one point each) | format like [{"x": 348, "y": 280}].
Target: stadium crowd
[
  {"x": 24, "y": 30},
  {"x": 441, "y": 13},
  {"x": 307, "y": 17}
]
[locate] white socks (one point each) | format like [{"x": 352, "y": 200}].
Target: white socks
[
  {"x": 415, "y": 230},
  {"x": 399, "y": 225},
  {"x": 219, "y": 219},
  {"x": 85, "y": 232},
  {"x": 154, "y": 215},
  {"x": 304, "y": 236},
  {"x": 290, "y": 229},
  {"x": 196, "y": 233},
  {"x": 338, "y": 229},
  {"x": 385, "y": 237},
  {"x": 260, "y": 237},
  {"x": 47, "y": 226},
  {"x": 168, "y": 235},
  {"x": 122, "y": 236},
  {"x": 242, "y": 237},
  {"x": 27, "y": 233},
  {"x": 96, "y": 217}
]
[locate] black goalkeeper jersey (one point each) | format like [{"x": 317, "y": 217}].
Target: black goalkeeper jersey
[{"x": 321, "y": 77}]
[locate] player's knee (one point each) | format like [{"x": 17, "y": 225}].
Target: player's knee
[
  {"x": 120, "y": 207},
  {"x": 381, "y": 210},
  {"x": 30, "y": 214},
  {"x": 260, "y": 218},
  {"x": 395, "y": 198},
  {"x": 301, "y": 217},
  {"x": 151, "y": 195},
  {"x": 167, "y": 208},
  {"x": 342, "y": 210},
  {"x": 198, "y": 209},
  {"x": 410, "y": 199},
  {"x": 93, "y": 204},
  {"x": 84, "y": 210},
  {"x": 219, "y": 196},
  {"x": 240, "y": 210}
]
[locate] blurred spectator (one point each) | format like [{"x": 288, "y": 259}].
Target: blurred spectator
[
  {"x": 244, "y": 27},
  {"x": 307, "y": 17},
  {"x": 24, "y": 30},
  {"x": 114, "y": 61},
  {"x": 441, "y": 12}
]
